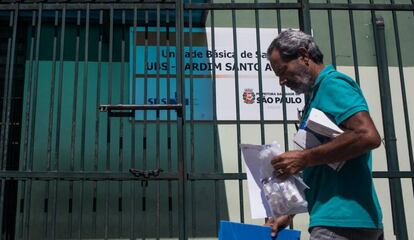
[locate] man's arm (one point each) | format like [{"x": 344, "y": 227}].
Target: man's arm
[{"x": 360, "y": 136}]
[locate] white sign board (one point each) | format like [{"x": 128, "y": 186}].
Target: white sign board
[{"x": 247, "y": 68}]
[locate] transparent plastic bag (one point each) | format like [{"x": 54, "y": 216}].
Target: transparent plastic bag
[{"x": 283, "y": 196}]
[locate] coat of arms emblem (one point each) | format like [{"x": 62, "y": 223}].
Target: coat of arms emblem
[{"x": 249, "y": 96}]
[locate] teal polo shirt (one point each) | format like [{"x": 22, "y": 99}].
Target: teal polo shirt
[{"x": 346, "y": 198}]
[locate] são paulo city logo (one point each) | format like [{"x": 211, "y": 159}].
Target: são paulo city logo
[{"x": 249, "y": 96}]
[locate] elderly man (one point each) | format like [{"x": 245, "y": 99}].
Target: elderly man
[{"x": 342, "y": 204}]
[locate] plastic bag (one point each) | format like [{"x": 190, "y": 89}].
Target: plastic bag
[{"x": 283, "y": 196}]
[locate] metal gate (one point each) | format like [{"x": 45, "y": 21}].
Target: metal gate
[{"x": 81, "y": 157}]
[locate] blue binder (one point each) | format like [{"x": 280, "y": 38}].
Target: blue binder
[{"x": 239, "y": 231}]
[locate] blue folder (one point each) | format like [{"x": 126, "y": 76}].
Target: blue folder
[{"x": 239, "y": 231}]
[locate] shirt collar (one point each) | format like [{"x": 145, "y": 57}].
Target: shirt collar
[{"x": 327, "y": 70}]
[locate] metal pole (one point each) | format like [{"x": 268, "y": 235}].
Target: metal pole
[
  {"x": 397, "y": 203},
  {"x": 181, "y": 120},
  {"x": 304, "y": 17}
]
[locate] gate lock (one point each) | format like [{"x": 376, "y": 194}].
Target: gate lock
[{"x": 145, "y": 173}]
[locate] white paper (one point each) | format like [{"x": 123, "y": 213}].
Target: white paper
[
  {"x": 321, "y": 124},
  {"x": 258, "y": 204}
]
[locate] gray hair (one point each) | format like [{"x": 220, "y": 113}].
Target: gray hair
[{"x": 290, "y": 41}]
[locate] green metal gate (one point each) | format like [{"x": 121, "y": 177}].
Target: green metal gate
[{"x": 81, "y": 159}]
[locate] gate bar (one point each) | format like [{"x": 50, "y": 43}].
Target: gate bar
[
  {"x": 169, "y": 163},
  {"x": 82, "y": 6},
  {"x": 157, "y": 135},
  {"x": 123, "y": 107},
  {"x": 132, "y": 159},
  {"x": 58, "y": 117},
  {"x": 236, "y": 75},
  {"x": 260, "y": 75},
  {"x": 121, "y": 124},
  {"x": 354, "y": 50},
  {"x": 109, "y": 122},
  {"x": 331, "y": 36},
  {"x": 7, "y": 98},
  {"x": 84, "y": 102},
  {"x": 181, "y": 151},
  {"x": 215, "y": 128},
  {"x": 192, "y": 160},
  {"x": 397, "y": 203},
  {"x": 145, "y": 129},
  {"x": 81, "y": 176},
  {"x": 97, "y": 121},
  {"x": 50, "y": 129},
  {"x": 33, "y": 121},
  {"x": 7, "y": 92},
  {"x": 290, "y": 6},
  {"x": 73, "y": 132},
  {"x": 403, "y": 93}
]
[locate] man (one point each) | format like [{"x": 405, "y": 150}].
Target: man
[{"x": 342, "y": 204}]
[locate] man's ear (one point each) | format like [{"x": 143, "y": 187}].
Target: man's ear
[{"x": 304, "y": 55}]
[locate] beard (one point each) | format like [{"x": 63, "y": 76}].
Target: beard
[{"x": 303, "y": 81}]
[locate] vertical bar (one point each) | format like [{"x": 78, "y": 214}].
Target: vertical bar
[
  {"x": 8, "y": 78},
  {"x": 60, "y": 88},
  {"x": 52, "y": 93},
  {"x": 108, "y": 136},
  {"x": 121, "y": 122},
  {"x": 179, "y": 11},
  {"x": 283, "y": 88},
  {"x": 33, "y": 120},
  {"x": 157, "y": 153},
  {"x": 215, "y": 127},
  {"x": 215, "y": 146},
  {"x": 24, "y": 166},
  {"x": 28, "y": 94},
  {"x": 259, "y": 61},
  {"x": 192, "y": 161},
  {"x": 74, "y": 113},
  {"x": 170, "y": 216},
  {"x": 97, "y": 120},
  {"x": 400, "y": 227},
  {"x": 236, "y": 74},
  {"x": 304, "y": 17},
  {"x": 144, "y": 157},
  {"x": 51, "y": 108},
  {"x": 134, "y": 63},
  {"x": 110, "y": 83},
  {"x": 35, "y": 86},
  {"x": 58, "y": 116},
  {"x": 5, "y": 94},
  {"x": 354, "y": 51},
  {"x": 331, "y": 36},
  {"x": 403, "y": 93},
  {"x": 84, "y": 104}
]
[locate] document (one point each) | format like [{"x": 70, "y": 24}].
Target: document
[
  {"x": 258, "y": 203},
  {"x": 319, "y": 123},
  {"x": 270, "y": 196},
  {"x": 319, "y": 129}
]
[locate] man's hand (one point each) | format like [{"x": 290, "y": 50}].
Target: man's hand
[
  {"x": 289, "y": 163},
  {"x": 279, "y": 223}
]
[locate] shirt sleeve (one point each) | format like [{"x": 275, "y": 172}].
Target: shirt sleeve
[{"x": 341, "y": 98}]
